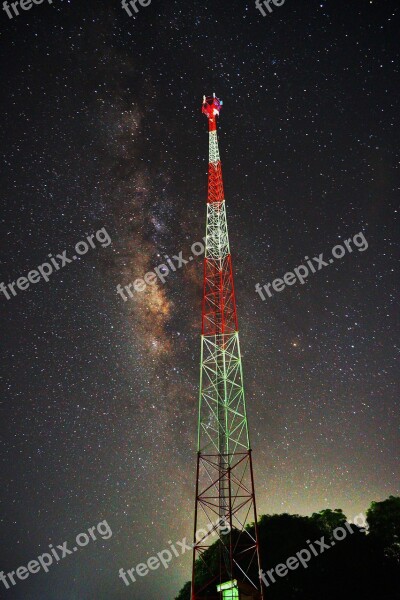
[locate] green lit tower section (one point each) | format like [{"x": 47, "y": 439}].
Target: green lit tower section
[{"x": 225, "y": 509}]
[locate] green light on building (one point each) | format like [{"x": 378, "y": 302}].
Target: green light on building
[{"x": 229, "y": 590}]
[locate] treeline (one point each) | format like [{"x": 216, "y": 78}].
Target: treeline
[{"x": 362, "y": 564}]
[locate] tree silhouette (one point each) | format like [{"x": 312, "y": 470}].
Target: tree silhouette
[
  {"x": 347, "y": 563},
  {"x": 384, "y": 525}
]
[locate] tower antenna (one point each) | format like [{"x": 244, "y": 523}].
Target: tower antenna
[{"x": 225, "y": 498}]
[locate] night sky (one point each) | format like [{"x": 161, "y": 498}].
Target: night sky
[{"x": 101, "y": 128}]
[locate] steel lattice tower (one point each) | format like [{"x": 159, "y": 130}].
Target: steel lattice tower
[{"x": 225, "y": 498}]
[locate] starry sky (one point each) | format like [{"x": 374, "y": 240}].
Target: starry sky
[{"x": 101, "y": 127}]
